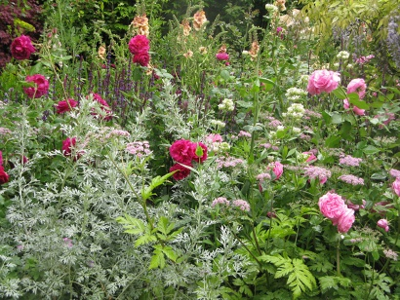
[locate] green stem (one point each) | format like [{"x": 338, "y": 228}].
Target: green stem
[
  {"x": 338, "y": 257},
  {"x": 248, "y": 250}
]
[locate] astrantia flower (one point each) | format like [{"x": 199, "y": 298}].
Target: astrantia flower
[
  {"x": 22, "y": 48},
  {"x": 65, "y": 106},
  {"x": 350, "y": 161},
  {"x": 323, "y": 81},
  {"x": 383, "y": 223},
  {"x": 182, "y": 151},
  {"x": 351, "y": 179},
  {"x": 139, "y": 44},
  {"x": 220, "y": 201},
  {"x": 40, "y": 88},
  {"x": 313, "y": 172},
  {"x": 241, "y": 204},
  {"x": 3, "y": 176},
  {"x": 182, "y": 171}
]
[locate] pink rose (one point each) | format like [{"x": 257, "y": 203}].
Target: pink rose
[
  {"x": 383, "y": 223},
  {"x": 3, "y": 176},
  {"x": 22, "y": 48},
  {"x": 346, "y": 103},
  {"x": 357, "y": 86},
  {"x": 311, "y": 157},
  {"x": 104, "y": 106},
  {"x": 182, "y": 171},
  {"x": 139, "y": 44},
  {"x": 65, "y": 106},
  {"x": 194, "y": 155},
  {"x": 323, "y": 81},
  {"x": 40, "y": 88},
  {"x": 358, "y": 111},
  {"x": 142, "y": 59},
  {"x": 346, "y": 220},
  {"x": 332, "y": 206},
  {"x": 278, "y": 170},
  {"x": 396, "y": 186},
  {"x": 222, "y": 56},
  {"x": 182, "y": 151}
]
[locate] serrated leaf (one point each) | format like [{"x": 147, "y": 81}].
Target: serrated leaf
[
  {"x": 170, "y": 253},
  {"x": 145, "y": 239}
]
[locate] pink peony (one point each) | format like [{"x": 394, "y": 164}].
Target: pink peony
[
  {"x": 182, "y": 172},
  {"x": 332, "y": 206},
  {"x": 194, "y": 155},
  {"x": 65, "y": 106},
  {"x": 345, "y": 220},
  {"x": 40, "y": 88},
  {"x": 139, "y": 44},
  {"x": 396, "y": 186},
  {"x": 182, "y": 151},
  {"x": 3, "y": 176},
  {"x": 278, "y": 169},
  {"x": 142, "y": 59},
  {"x": 323, "y": 81},
  {"x": 67, "y": 146},
  {"x": 383, "y": 223},
  {"x": 357, "y": 86},
  {"x": 22, "y": 48},
  {"x": 222, "y": 56}
]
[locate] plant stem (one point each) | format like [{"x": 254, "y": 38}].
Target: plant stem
[{"x": 338, "y": 257}]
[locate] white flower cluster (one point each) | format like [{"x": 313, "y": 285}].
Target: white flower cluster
[
  {"x": 294, "y": 93},
  {"x": 271, "y": 7},
  {"x": 227, "y": 104},
  {"x": 218, "y": 123},
  {"x": 296, "y": 111},
  {"x": 343, "y": 55}
]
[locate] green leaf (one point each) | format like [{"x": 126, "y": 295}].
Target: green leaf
[
  {"x": 145, "y": 239},
  {"x": 337, "y": 118},
  {"x": 355, "y": 100},
  {"x": 369, "y": 150},
  {"x": 170, "y": 253},
  {"x": 333, "y": 141}
]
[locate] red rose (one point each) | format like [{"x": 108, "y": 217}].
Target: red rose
[
  {"x": 40, "y": 88},
  {"x": 65, "y": 106},
  {"x": 182, "y": 151},
  {"x": 67, "y": 146},
  {"x": 182, "y": 172},
  {"x": 3, "y": 176},
  {"x": 139, "y": 44},
  {"x": 22, "y": 48},
  {"x": 142, "y": 59},
  {"x": 104, "y": 106}
]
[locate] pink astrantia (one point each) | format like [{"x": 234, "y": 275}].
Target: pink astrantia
[
  {"x": 323, "y": 81},
  {"x": 241, "y": 204},
  {"x": 357, "y": 86},
  {"x": 396, "y": 186},
  {"x": 214, "y": 138},
  {"x": 383, "y": 223},
  {"x": 351, "y": 179},
  {"x": 319, "y": 173},
  {"x": 350, "y": 161},
  {"x": 220, "y": 201}
]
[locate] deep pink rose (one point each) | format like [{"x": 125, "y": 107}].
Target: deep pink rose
[
  {"x": 278, "y": 170},
  {"x": 182, "y": 171},
  {"x": 65, "y": 106},
  {"x": 194, "y": 155},
  {"x": 358, "y": 111},
  {"x": 104, "y": 106},
  {"x": 67, "y": 146},
  {"x": 323, "y": 81},
  {"x": 182, "y": 151},
  {"x": 40, "y": 88},
  {"x": 357, "y": 86},
  {"x": 383, "y": 223},
  {"x": 396, "y": 186},
  {"x": 346, "y": 103},
  {"x": 222, "y": 56},
  {"x": 311, "y": 157},
  {"x": 346, "y": 220},
  {"x": 3, "y": 176},
  {"x": 139, "y": 44},
  {"x": 142, "y": 59},
  {"x": 22, "y": 48},
  {"x": 332, "y": 206}
]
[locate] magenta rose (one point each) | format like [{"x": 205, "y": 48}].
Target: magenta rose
[
  {"x": 65, "y": 106},
  {"x": 396, "y": 186},
  {"x": 40, "y": 88},
  {"x": 67, "y": 146},
  {"x": 182, "y": 151},
  {"x": 104, "y": 106},
  {"x": 194, "y": 155},
  {"x": 22, "y": 48},
  {"x": 3, "y": 176},
  {"x": 323, "y": 81},
  {"x": 222, "y": 56},
  {"x": 142, "y": 59},
  {"x": 346, "y": 220},
  {"x": 357, "y": 86},
  {"x": 383, "y": 223},
  {"x": 278, "y": 170},
  {"x": 139, "y": 44},
  {"x": 182, "y": 171},
  {"x": 332, "y": 206}
]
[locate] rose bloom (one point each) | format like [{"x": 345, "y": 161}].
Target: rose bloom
[
  {"x": 142, "y": 59},
  {"x": 358, "y": 111},
  {"x": 332, "y": 206},
  {"x": 396, "y": 186},
  {"x": 194, "y": 155},
  {"x": 3, "y": 176},
  {"x": 22, "y": 48},
  {"x": 139, "y": 44},
  {"x": 357, "y": 86},
  {"x": 278, "y": 169},
  {"x": 346, "y": 220},
  {"x": 41, "y": 86},
  {"x": 182, "y": 172},
  {"x": 323, "y": 81},
  {"x": 65, "y": 106},
  {"x": 383, "y": 223},
  {"x": 182, "y": 151},
  {"x": 104, "y": 106},
  {"x": 67, "y": 146},
  {"x": 222, "y": 56}
]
